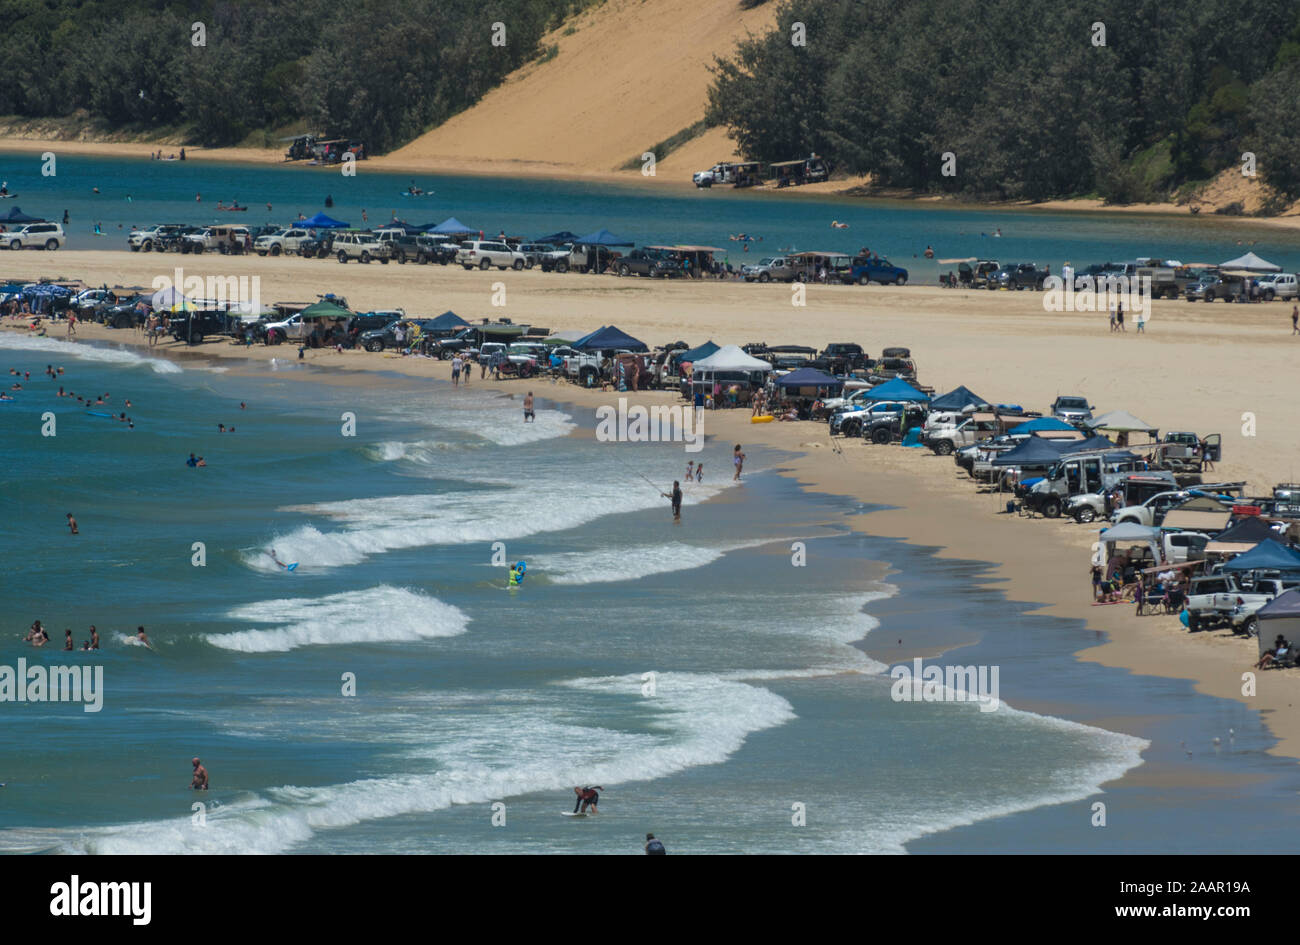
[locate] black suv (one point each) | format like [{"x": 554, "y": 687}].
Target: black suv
[
  {"x": 380, "y": 338},
  {"x": 889, "y": 427},
  {"x": 1018, "y": 276},
  {"x": 646, "y": 262},
  {"x": 423, "y": 248},
  {"x": 193, "y": 327},
  {"x": 841, "y": 358},
  {"x": 319, "y": 248}
]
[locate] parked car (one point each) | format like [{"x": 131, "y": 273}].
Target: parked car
[
  {"x": 647, "y": 262},
  {"x": 1227, "y": 599},
  {"x": 193, "y": 327},
  {"x": 152, "y": 237},
  {"x": 864, "y": 270},
  {"x": 34, "y": 236},
  {"x": 1281, "y": 285},
  {"x": 841, "y": 357},
  {"x": 1137, "y": 488},
  {"x": 288, "y": 240},
  {"x": 1071, "y": 408},
  {"x": 1018, "y": 276},
  {"x": 220, "y": 238},
  {"x": 770, "y": 269},
  {"x": 544, "y": 256},
  {"x": 488, "y": 253},
  {"x": 851, "y": 421},
  {"x": 363, "y": 247}
]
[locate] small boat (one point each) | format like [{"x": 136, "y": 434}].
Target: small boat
[{"x": 234, "y": 209}]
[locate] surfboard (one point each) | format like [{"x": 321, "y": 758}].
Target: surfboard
[
  {"x": 290, "y": 567},
  {"x": 95, "y": 413},
  {"x": 569, "y": 813}
]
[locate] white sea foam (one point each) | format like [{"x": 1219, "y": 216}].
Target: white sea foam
[
  {"x": 376, "y": 525},
  {"x": 699, "y": 720},
  {"x": 604, "y": 565},
  {"x": 53, "y": 347},
  {"x": 377, "y": 615}
]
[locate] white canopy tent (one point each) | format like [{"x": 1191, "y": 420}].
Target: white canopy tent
[
  {"x": 728, "y": 370},
  {"x": 731, "y": 358},
  {"x": 1252, "y": 263}
]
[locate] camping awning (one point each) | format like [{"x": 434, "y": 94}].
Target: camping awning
[
  {"x": 1286, "y": 604},
  {"x": 1093, "y": 444},
  {"x": 564, "y": 236},
  {"x": 1044, "y": 424},
  {"x": 1193, "y": 520},
  {"x": 1249, "y": 531},
  {"x": 446, "y": 321},
  {"x": 169, "y": 299},
  {"x": 17, "y": 216},
  {"x": 1268, "y": 555},
  {"x": 1253, "y": 263},
  {"x": 321, "y": 222},
  {"x": 1119, "y": 421},
  {"x": 955, "y": 400},
  {"x": 1130, "y": 531},
  {"x": 1034, "y": 451},
  {"x": 731, "y": 358},
  {"x": 897, "y": 389},
  {"x": 809, "y": 377}
]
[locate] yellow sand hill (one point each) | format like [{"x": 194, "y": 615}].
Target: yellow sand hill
[{"x": 630, "y": 75}]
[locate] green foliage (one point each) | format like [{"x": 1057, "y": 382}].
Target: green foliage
[{"x": 1015, "y": 89}]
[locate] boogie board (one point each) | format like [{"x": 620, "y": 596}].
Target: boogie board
[{"x": 290, "y": 567}]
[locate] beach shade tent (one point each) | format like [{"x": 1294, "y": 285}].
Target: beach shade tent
[
  {"x": 564, "y": 236},
  {"x": 322, "y": 222},
  {"x": 809, "y": 378},
  {"x": 731, "y": 358},
  {"x": 697, "y": 354},
  {"x": 17, "y": 216},
  {"x": 602, "y": 237},
  {"x": 1268, "y": 555},
  {"x": 1130, "y": 533},
  {"x": 1120, "y": 421},
  {"x": 447, "y": 321},
  {"x": 898, "y": 389},
  {"x": 607, "y": 338},
  {"x": 1035, "y": 451},
  {"x": 1280, "y": 615},
  {"x": 956, "y": 399},
  {"x": 1042, "y": 424},
  {"x": 451, "y": 227},
  {"x": 1092, "y": 444},
  {"x": 725, "y": 368},
  {"x": 1241, "y": 537},
  {"x": 1252, "y": 263},
  {"x": 324, "y": 309}
]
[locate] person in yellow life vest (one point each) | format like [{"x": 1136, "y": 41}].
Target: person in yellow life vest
[{"x": 517, "y": 571}]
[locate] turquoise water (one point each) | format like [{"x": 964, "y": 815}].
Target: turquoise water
[
  {"x": 469, "y": 694},
  {"x": 648, "y": 213}
]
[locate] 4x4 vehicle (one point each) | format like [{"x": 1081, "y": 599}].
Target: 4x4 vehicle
[
  {"x": 1281, "y": 285},
  {"x": 888, "y": 427},
  {"x": 1227, "y": 599},
  {"x": 362, "y": 247},
  {"x": 944, "y": 439},
  {"x": 488, "y": 253},
  {"x": 288, "y": 240},
  {"x": 769, "y": 269},
  {"x": 219, "y": 238},
  {"x": 646, "y": 262},
  {"x": 1071, "y": 408},
  {"x": 545, "y": 255},
  {"x": 1137, "y": 488},
  {"x": 386, "y": 337},
  {"x": 317, "y": 247},
  {"x": 193, "y": 327},
  {"x": 852, "y": 421},
  {"x": 152, "y": 237},
  {"x": 34, "y": 236},
  {"x": 864, "y": 270},
  {"x": 1018, "y": 276},
  {"x": 840, "y": 357}
]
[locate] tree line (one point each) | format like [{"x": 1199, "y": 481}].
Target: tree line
[
  {"x": 1027, "y": 99},
  {"x": 382, "y": 71}
]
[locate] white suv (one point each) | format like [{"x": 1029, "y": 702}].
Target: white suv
[
  {"x": 288, "y": 240},
  {"x": 488, "y": 253},
  {"x": 362, "y": 247},
  {"x": 146, "y": 240},
  {"x": 34, "y": 236}
]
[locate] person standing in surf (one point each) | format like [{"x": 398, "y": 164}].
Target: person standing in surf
[
  {"x": 738, "y": 458},
  {"x": 676, "y": 497},
  {"x": 200, "y": 780},
  {"x": 529, "y": 416},
  {"x": 587, "y": 797}
]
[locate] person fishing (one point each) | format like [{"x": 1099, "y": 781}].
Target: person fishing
[
  {"x": 587, "y": 797},
  {"x": 676, "y": 497}
]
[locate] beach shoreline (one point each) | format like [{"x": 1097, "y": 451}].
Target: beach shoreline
[
  {"x": 849, "y": 190},
  {"x": 1030, "y": 562}
]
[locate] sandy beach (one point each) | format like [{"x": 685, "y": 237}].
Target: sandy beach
[{"x": 1197, "y": 367}]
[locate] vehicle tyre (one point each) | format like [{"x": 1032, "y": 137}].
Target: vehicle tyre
[
  {"x": 864, "y": 280},
  {"x": 276, "y": 250},
  {"x": 880, "y": 436},
  {"x": 623, "y": 270},
  {"x": 197, "y": 249},
  {"x": 365, "y": 256},
  {"x": 529, "y": 264},
  {"x": 1251, "y": 626},
  {"x": 519, "y": 264},
  {"x": 375, "y": 345},
  {"x": 764, "y": 277},
  {"x": 1128, "y": 520},
  {"x": 1085, "y": 514},
  {"x": 900, "y": 280},
  {"x": 401, "y": 257},
  {"x": 1051, "y": 507},
  {"x": 485, "y": 265},
  {"x": 851, "y": 427},
  {"x": 343, "y": 257},
  {"x": 422, "y": 259},
  {"x": 15, "y": 245},
  {"x": 1193, "y": 622},
  {"x": 562, "y": 268},
  {"x": 51, "y": 245},
  {"x": 383, "y": 260},
  {"x": 196, "y": 338},
  {"x": 944, "y": 447},
  {"x": 147, "y": 246},
  {"x": 1209, "y": 296}
]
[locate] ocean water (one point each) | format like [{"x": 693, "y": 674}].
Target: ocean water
[
  {"x": 722, "y": 695},
  {"x": 140, "y": 192}
]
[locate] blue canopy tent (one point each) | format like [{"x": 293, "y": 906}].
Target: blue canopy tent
[
  {"x": 897, "y": 389},
  {"x": 1035, "y": 451},
  {"x": 608, "y": 338},
  {"x": 602, "y": 237},
  {"x": 322, "y": 222},
  {"x": 451, "y": 227},
  {"x": 598, "y": 246},
  {"x": 447, "y": 321},
  {"x": 1092, "y": 444},
  {"x": 809, "y": 377},
  {"x": 956, "y": 400},
  {"x": 1268, "y": 555},
  {"x": 41, "y": 296},
  {"x": 17, "y": 216},
  {"x": 564, "y": 236},
  {"x": 697, "y": 354},
  {"x": 1042, "y": 423}
]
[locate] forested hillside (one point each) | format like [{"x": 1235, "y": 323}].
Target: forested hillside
[{"x": 1022, "y": 95}]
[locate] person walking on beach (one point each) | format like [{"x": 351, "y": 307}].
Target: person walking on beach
[
  {"x": 676, "y": 497},
  {"x": 455, "y": 371},
  {"x": 1142, "y": 324},
  {"x": 200, "y": 780},
  {"x": 738, "y": 458},
  {"x": 1295, "y": 319},
  {"x": 690, "y": 470},
  {"x": 529, "y": 416},
  {"x": 699, "y": 472},
  {"x": 1119, "y": 317}
]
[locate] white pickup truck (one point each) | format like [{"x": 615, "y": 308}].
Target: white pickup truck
[
  {"x": 1282, "y": 285},
  {"x": 1226, "y": 600}
]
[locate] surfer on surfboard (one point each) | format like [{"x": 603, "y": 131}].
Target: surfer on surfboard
[
  {"x": 587, "y": 797},
  {"x": 287, "y": 567}
]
